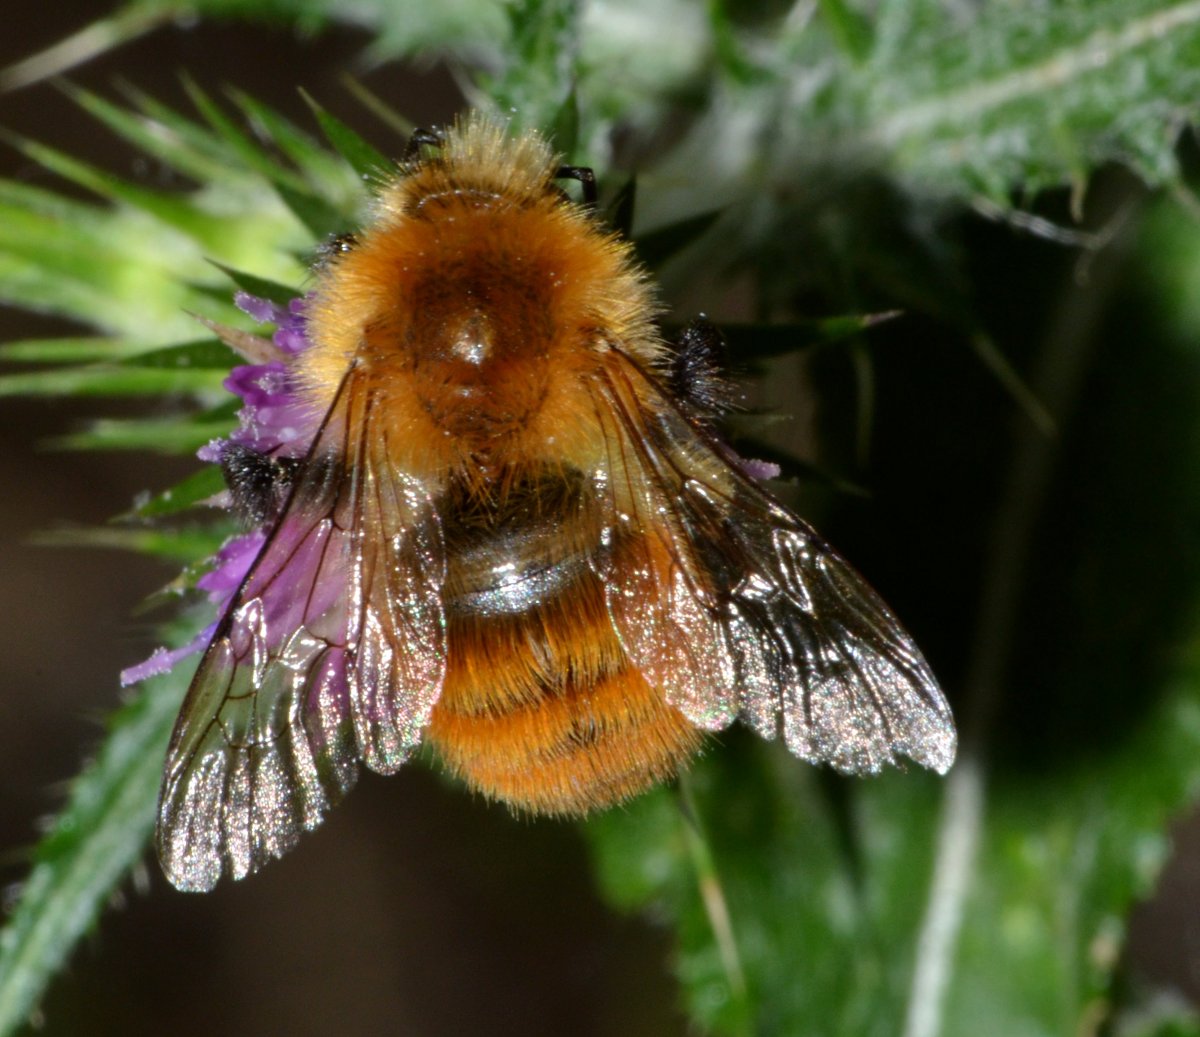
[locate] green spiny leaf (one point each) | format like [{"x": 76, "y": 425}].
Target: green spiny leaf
[
  {"x": 363, "y": 157},
  {"x": 200, "y": 143},
  {"x": 657, "y": 246},
  {"x": 538, "y": 78},
  {"x": 849, "y": 28},
  {"x": 205, "y": 355},
  {"x": 320, "y": 218},
  {"x": 100, "y": 834},
  {"x": 181, "y": 545},
  {"x": 166, "y": 208},
  {"x": 196, "y": 488},
  {"x": 749, "y": 342},
  {"x": 179, "y": 144},
  {"x": 369, "y": 163},
  {"x": 1009, "y": 100},
  {"x": 159, "y": 436},
  {"x": 249, "y": 154},
  {"x": 125, "y": 24},
  {"x": 89, "y": 349},
  {"x": 112, "y": 381},
  {"x": 260, "y": 287}
]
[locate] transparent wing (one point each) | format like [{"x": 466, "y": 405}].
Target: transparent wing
[
  {"x": 733, "y": 606},
  {"x": 332, "y": 652},
  {"x": 664, "y": 602}
]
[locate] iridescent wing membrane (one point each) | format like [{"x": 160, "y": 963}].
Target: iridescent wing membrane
[
  {"x": 331, "y": 652},
  {"x": 734, "y": 607}
]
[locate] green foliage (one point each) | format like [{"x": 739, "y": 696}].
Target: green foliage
[
  {"x": 817, "y": 149},
  {"x": 138, "y": 262},
  {"x": 94, "y": 842},
  {"x": 825, "y": 883},
  {"x": 961, "y": 99}
]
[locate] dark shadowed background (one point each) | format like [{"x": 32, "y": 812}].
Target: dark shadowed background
[{"x": 416, "y": 909}]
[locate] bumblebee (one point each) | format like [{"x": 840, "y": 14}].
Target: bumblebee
[{"x": 515, "y": 534}]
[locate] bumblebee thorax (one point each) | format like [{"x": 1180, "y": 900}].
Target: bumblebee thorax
[{"x": 482, "y": 301}]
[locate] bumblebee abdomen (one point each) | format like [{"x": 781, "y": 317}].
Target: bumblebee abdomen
[
  {"x": 571, "y": 750},
  {"x": 541, "y": 707}
]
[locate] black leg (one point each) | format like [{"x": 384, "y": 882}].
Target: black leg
[
  {"x": 258, "y": 483},
  {"x": 328, "y": 251},
  {"x": 697, "y": 371},
  {"x": 586, "y": 178},
  {"x": 422, "y": 138}
]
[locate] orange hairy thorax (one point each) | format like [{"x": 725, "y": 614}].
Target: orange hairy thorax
[{"x": 481, "y": 315}]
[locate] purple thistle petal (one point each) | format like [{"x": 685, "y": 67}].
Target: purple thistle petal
[
  {"x": 230, "y": 566},
  {"x": 759, "y": 469},
  {"x": 749, "y": 466},
  {"x": 260, "y": 385},
  {"x": 274, "y": 419},
  {"x": 163, "y": 659},
  {"x": 210, "y": 453},
  {"x": 262, "y": 310},
  {"x": 301, "y": 578},
  {"x": 291, "y": 334}
]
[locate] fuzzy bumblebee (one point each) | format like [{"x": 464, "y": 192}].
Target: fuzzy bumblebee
[{"x": 509, "y": 529}]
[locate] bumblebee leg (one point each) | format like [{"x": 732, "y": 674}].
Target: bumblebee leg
[
  {"x": 330, "y": 249},
  {"x": 697, "y": 370},
  {"x": 421, "y": 138},
  {"x": 586, "y": 177},
  {"x": 259, "y": 484}
]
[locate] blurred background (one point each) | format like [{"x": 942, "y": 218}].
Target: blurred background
[{"x": 1011, "y": 462}]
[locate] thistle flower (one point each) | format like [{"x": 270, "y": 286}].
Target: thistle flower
[{"x": 274, "y": 421}]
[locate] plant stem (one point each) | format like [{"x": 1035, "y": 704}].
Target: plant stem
[
  {"x": 1056, "y": 382},
  {"x": 712, "y": 893}
]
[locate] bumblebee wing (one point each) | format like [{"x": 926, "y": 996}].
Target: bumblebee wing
[
  {"x": 734, "y": 606},
  {"x": 331, "y": 652}
]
